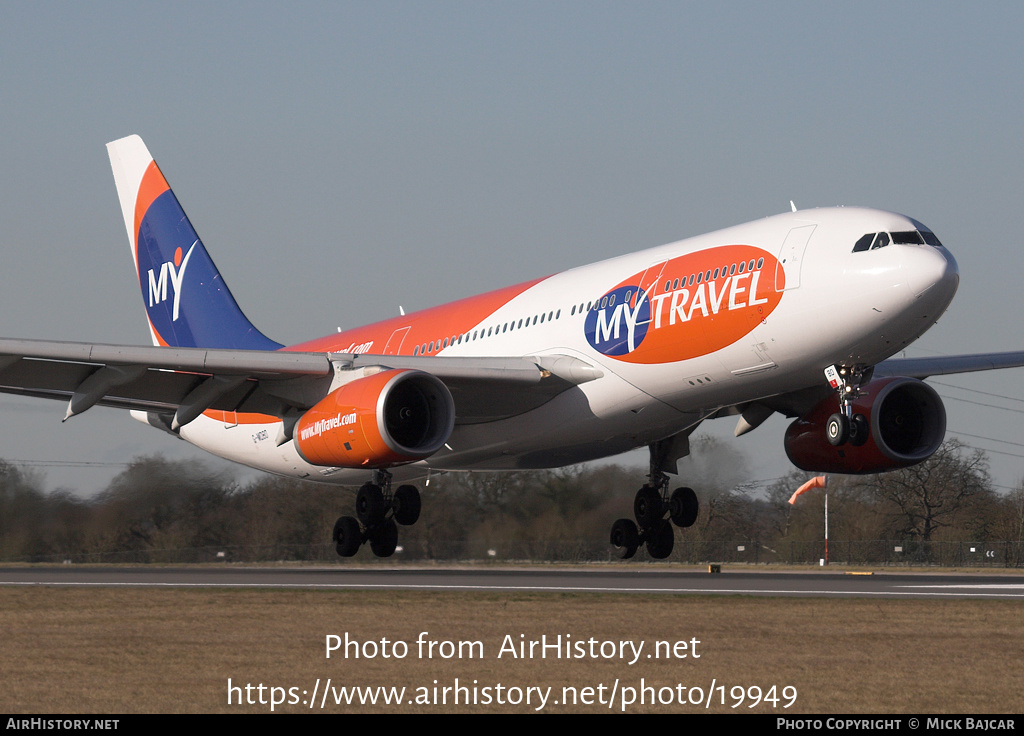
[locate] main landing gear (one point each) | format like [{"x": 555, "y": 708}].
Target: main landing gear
[
  {"x": 650, "y": 507},
  {"x": 379, "y": 511}
]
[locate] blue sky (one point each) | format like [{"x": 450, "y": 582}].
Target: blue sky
[{"x": 342, "y": 159}]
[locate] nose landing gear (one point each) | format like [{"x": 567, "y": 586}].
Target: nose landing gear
[{"x": 845, "y": 426}]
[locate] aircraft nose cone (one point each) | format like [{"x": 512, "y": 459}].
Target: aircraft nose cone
[{"x": 930, "y": 272}]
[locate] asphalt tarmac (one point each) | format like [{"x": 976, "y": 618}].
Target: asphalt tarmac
[{"x": 552, "y": 580}]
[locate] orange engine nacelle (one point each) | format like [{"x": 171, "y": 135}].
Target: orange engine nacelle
[
  {"x": 906, "y": 421},
  {"x": 390, "y": 418}
]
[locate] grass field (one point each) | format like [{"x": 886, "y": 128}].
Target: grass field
[{"x": 124, "y": 651}]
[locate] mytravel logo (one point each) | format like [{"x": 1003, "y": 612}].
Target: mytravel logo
[
  {"x": 620, "y": 320},
  {"x": 172, "y": 273},
  {"x": 687, "y": 306},
  {"x": 320, "y": 426}
]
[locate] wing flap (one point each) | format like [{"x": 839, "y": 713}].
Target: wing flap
[{"x": 255, "y": 362}]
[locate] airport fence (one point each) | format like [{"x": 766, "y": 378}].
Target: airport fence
[
  {"x": 849, "y": 552},
  {"x": 856, "y": 552}
]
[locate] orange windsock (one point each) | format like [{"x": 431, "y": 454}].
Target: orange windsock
[{"x": 817, "y": 481}]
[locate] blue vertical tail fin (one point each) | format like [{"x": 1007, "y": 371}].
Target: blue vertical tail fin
[{"x": 187, "y": 302}]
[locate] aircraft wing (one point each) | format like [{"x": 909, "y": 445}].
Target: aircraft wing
[
  {"x": 948, "y": 364},
  {"x": 797, "y": 403},
  {"x": 185, "y": 382}
]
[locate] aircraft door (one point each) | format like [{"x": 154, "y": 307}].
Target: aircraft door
[
  {"x": 394, "y": 346},
  {"x": 791, "y": 257},
  {"x": 651, "y": 277}
]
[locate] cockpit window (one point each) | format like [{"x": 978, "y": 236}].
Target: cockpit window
[
  {"x": 864, "y": 243},
  {"x": 873, "y": 241},
  {"x": 908, "y": 237}
]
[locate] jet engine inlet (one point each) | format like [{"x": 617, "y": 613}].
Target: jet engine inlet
[
  {"x": 907, "y": 424},
  {"x": 391, "y": 418}
]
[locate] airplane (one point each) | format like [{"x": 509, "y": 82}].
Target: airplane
[{"x": 799, "y": 313}]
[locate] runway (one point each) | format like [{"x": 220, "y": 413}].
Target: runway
[{"x": 525, "y": 579}]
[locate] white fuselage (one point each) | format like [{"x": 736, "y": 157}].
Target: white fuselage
[{"x": 786, "y": 297}]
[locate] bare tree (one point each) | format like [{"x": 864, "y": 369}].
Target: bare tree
[
  {"x": 931, "y": 495},
  {"x": 717, "y": 471},
  {"x": 1016, "y": 502}
]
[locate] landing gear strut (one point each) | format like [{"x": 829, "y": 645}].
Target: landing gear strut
[
  {"x": 845, "y": 426},
  {"x": 379, "y": 511},
  {"x": 653, "y": 504}
]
